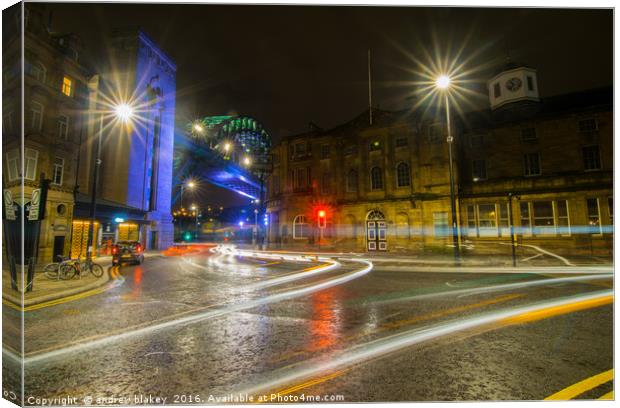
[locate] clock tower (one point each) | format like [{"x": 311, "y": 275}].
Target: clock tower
[{"x": 513, "y": 84}]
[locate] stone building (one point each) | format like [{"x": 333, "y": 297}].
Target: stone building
[
  {"x": 385, "y": 186},
  {"x": 55, "y": 94}
]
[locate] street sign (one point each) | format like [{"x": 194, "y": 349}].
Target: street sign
[
  {"x": 9, "y": 209},
  {"x": 35, "y": 201}
]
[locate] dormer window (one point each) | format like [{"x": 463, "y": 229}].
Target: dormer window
[{"x": 497, "y": 90}]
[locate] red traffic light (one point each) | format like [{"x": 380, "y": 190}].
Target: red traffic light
[{"x": 321, "y": 213}]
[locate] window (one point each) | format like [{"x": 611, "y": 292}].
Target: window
[
  {"x": 38, "y": 71},
  {"x": 36, "y": 116},
  {"x": 12, "y": 163},
  {"x": 497, "y": 90},
  {"x": 531, "y": 164},
  {"x": 300, "y": 227},
  {"x": 542, "y": 212},
  {"x": 610, "y": 210},
  {"x": 31, "y": 156},
  {"x": 401, "y": 142},
  {"x": 526, "y": 221},
  {"x": 375, "y": 145},
  {"x": 435, "y": 132},
  {"x": 530, "y": 83},
  {"x": 376, "y": 178},
  {"x": 563, "y": 225},
  {"x": 275, "y": 184},
  {"x": 594, "y": 216},
  {"x": 591, "y": 158},
  {"x": 301, "y": 179},
  {"x": 59, "y": 168},
  {"x": 325, "y": 151},
  {"x": 472, "y": 229},
  {"x": 476, "y": 140},
  {"x": 63, "y": 127},
  {"x": 7, "y": 122},
  {"x": 487, "y": 220},
  {"x": 67, "y": 86},
  {"x": 504, "y": 220},
  {"x": 479, "y": 170},
  {"x": 352, "y": 181},
  {"x": 588, "y": 125},
  {"x": 528, "y": 134},
  {"x": 403, "y": 175},
  {"x": 440, "y": 224},
  {"x": 325, "y": 183}
]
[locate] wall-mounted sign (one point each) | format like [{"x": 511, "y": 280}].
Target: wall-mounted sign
[
  {"x": 9, "y": 208},
  {"x": 35, "y": 202}
]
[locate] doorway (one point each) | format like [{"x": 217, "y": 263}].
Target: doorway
[
  {"x": 376, "y": 231},
  {"x": 59, "y": 247}
]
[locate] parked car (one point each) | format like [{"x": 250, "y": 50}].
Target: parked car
[{"x": 127, "y": 251}]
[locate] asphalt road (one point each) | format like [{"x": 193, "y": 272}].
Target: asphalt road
[{"x": 211, "y": 328}]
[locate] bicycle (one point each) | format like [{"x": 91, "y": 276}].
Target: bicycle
[
  {"x": 87, "y": 265},
  {"x": 60, "y": 270}
]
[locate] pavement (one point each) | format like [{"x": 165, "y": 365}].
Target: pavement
[
  {"x": 46, "y": 290},
  {"x": 203, "y": 328}
]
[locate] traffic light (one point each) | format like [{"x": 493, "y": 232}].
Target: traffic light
[{"x": 322, "y": 217}]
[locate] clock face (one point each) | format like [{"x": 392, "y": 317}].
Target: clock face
[{"x": 513, "y": 84}]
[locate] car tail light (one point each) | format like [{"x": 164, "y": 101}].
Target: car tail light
[{"x": 139, "y": 248}]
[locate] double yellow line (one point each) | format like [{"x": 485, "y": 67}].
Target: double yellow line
[
  {"x": 581, "y": 387},
  {"x": 114, "y": 275}
]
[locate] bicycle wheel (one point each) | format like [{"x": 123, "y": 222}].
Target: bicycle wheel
[
  {"x": 97, "y": 270},
  {"x": 51, "y": 270},
  {"x": 67, "y": 271}
]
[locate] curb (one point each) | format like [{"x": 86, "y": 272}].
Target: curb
[{"x": 59, "y": 295}]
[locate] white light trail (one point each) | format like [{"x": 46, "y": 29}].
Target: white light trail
[
  {"x": 380, "y": 347},
  {"x": 497, "y": 288},
  {"x": 78, "y": 347}
]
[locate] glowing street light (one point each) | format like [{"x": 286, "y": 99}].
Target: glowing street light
[
  {"x": 124, "y": 112},
  {"x": 442, "y": 82},
  {"x": 198, "y": 128},
  {"x": 247, "y": 161},
  {"x": 226, "y": 147}
]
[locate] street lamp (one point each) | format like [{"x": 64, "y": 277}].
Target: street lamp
[
  {"x": 443, "y": 84},
  {"x": 195, "y": 210},
  {"x": 123, "y": 112},
  {"x": 190, "y": 184},
  {"x": 247, "y": 161}
]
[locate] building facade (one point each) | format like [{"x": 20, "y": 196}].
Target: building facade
[
  {"x": 55, "y": 94},
  {"x": 386, "y": 186},
  {"x": 67, "y": 105}
]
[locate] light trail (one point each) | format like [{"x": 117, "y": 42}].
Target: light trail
[
  {"x": 381, "y": 347},
  {"x": 128, "y": 333},
  {"x": 496, "y": 288}
]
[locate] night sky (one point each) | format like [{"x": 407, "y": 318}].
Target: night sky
[{"x": 291, "y": 65}]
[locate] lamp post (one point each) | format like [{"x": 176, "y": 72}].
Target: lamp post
[
  {"x": 443, "y": 83},
  {"x": 195, "y": 209},
  {"x": 123, "y": 112}
]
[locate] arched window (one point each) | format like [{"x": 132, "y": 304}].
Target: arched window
[
  {"x": 403, "y": 176},
  {"x": 38, "y": 71},
  {"x": 402, "y": 226},
  {"x": 376, "y": 178},
  {"x": 352, "y": 181},
  {"x": 300, "y": 227}
]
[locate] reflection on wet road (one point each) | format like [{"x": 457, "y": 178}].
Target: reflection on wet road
[{"x": 233, "y": 321}]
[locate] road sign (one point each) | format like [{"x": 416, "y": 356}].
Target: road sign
[
  {"x": 9, "y": 208},
  {"x": 35, "y": 201}
]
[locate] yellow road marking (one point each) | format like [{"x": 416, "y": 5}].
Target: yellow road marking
[
  {"x": 583, "y": 386},
  {"x": 527, "y": 317},
  {"x": 269, "y": 264},
  {"x": 113, "y": 274},
  {"x": 608, "y": 396},
  {"x": 309, "y": 383},
  {"x": 557, "y": 310}
]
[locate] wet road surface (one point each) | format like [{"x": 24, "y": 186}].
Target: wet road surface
[{"x": 216, "y": 327}]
